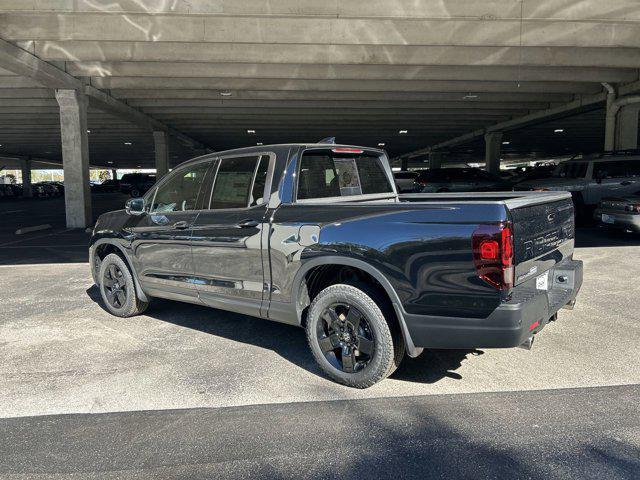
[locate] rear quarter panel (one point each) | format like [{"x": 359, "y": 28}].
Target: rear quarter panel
[{"x": 424, "y": 251}]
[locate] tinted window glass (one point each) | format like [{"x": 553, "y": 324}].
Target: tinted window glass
[
  {"x": 405, "y": 175},
  {"x": 233, "y": 181},
  {"x": 571, "y": 170},
  {"x": 260, "y": 181},
  {"x": 324, "y": 175},
  {"x": 180, "y": 191},
  {"x": 633, "y": 168}
]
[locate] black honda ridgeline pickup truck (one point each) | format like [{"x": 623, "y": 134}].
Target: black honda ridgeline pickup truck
[{"x": 316, "y": 235}]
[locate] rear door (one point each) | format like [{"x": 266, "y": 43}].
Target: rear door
[{"x": 227, "y": 240}]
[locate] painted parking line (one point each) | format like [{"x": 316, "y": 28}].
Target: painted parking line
[{"x": 33, "y": 238}]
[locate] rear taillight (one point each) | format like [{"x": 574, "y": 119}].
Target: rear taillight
[
  {"x": 422, "y": 183},
  {"x": 634, "y": 208},
  {"x": 493, "y": 254}
]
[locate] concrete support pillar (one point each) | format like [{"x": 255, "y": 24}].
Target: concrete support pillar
[
  {"x": 161, "y": 144},
  {"x": 114, "y": 174},
  {"x": 404, "y": 165},
  {"x": 75, "y": 157},
  {"x": 627, "y": 127},
  {"x": 492, "y": 145},
  {"x": 26, "y": 178},
  {"x": 435, "y": 160}
]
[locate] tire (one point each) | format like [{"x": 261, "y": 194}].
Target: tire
[
  {"x": 135, "y": 193},
  {"x": 359, "y": 358},
  {"x": 123, "y": 301}
]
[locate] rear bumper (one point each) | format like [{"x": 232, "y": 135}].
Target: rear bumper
[
  {"x": 625, "y": 221},
  {"x": 509, "y": 325}
]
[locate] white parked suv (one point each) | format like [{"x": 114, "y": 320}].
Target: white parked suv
[{"x": 593, "y": 177}]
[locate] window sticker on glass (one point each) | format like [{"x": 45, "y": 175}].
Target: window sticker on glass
[{"x": 348, "y": 179}]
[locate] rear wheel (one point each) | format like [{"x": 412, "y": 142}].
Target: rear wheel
[
  {"x": 350, "y": 338},
  {"x": 117, "y": 288}
]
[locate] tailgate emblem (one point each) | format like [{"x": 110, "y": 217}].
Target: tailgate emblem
[{"x": 551, "y": 217}]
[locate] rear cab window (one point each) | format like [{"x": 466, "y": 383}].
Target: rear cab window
[{"x": 341, "y": 172}]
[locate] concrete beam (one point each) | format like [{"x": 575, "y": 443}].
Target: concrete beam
[
  {"x": 342, "y": 85},
  {"x": 350, "y": 72},
  {"x": 28, "y": 65},
  {"x": 492, "y": 146},
  {"x": 161, "y": 148},
  {"x": 558, "y": 56},
  {"x": 401, "y": 30},
  {"x": 75, "y": 157}
]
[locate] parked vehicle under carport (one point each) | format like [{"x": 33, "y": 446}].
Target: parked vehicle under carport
[
  {"x": 406, "y": 181},
  {"x": 620, "y": 212},
  {"x": 440, "y": 180}
]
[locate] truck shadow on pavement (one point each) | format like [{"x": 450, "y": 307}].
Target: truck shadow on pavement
[{"x": 288, "y": 341}]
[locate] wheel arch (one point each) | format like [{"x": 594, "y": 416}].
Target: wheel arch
[
  {"x": 301, "y": 298},
  {"x": 105, "y": 246}
]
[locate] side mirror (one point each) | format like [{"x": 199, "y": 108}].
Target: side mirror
[{"x": 134, "y": 206}]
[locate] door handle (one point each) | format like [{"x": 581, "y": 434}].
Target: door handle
[
  {"x": 181, "y": 225},
  {"x": 248, "y": 223},
  {"x": 625, "y": 183}
]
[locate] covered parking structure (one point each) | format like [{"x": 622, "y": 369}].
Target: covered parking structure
[{"x": 122, "y": 84}]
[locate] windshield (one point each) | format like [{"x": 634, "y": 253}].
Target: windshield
[{"x": 571, "y": 170}]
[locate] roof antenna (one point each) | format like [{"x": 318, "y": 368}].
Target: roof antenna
[{"x": 329, "y": 140}]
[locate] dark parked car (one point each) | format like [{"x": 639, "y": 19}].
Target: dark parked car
[
  {"x": 108, "y": 186},
  {"x": 534, "y": 173},
  {"x": 406, "y": 181},
  {"x": 461, "y": 180},
  {"x": 136, "y": 184},
  {"x": 620, "y": 212},
  {"x": 315, "y": 235}
]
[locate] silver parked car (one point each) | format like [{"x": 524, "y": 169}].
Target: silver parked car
[
  {"x": 406, "y": 181},
  {"x": 620, "y": 212},
  {"x": 592, "y": 178}
]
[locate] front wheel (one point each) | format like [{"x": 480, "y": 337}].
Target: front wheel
[
  {"x": 350, "y": 338},
  {"x": 117, "y": 288}
]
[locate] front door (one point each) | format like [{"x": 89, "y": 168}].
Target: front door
[
  {"x": 161, "y": 240},
  {"x": 227, "y": 240}
]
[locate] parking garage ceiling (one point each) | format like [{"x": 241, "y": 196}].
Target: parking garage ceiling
[{"x": 296, "y": 71}]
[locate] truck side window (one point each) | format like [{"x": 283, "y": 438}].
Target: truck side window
[
  {"x": 233, "y": 182},
  {"x": 610, "y": 169},
  {"x": 324, "y": 175},
  {"x": 180, "y": 191}
]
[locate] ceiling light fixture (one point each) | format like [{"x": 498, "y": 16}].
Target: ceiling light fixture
[
  {"x": 506, "y": 143},
  {"x": 470, "y": 95},
  {"x": 110, "y": 163},
  {"x": 127, "y": 143},
  {"x": 88, "y": 131},
  {"x": 259, "y": 143},
  {"x": 402, "y": 132},
  {"x": 251, "y": 131},
  {"x": 381, "y": 144},
  {"x": 225, "y": 94},
  {"x": 558, "y": 130}
]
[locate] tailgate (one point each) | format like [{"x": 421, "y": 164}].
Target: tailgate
[{"x": 543, "y": 235}]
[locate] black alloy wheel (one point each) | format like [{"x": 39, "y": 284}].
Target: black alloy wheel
[
  {"x": 345, "y": 338},
  {"x": 115, "y": 286}
]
